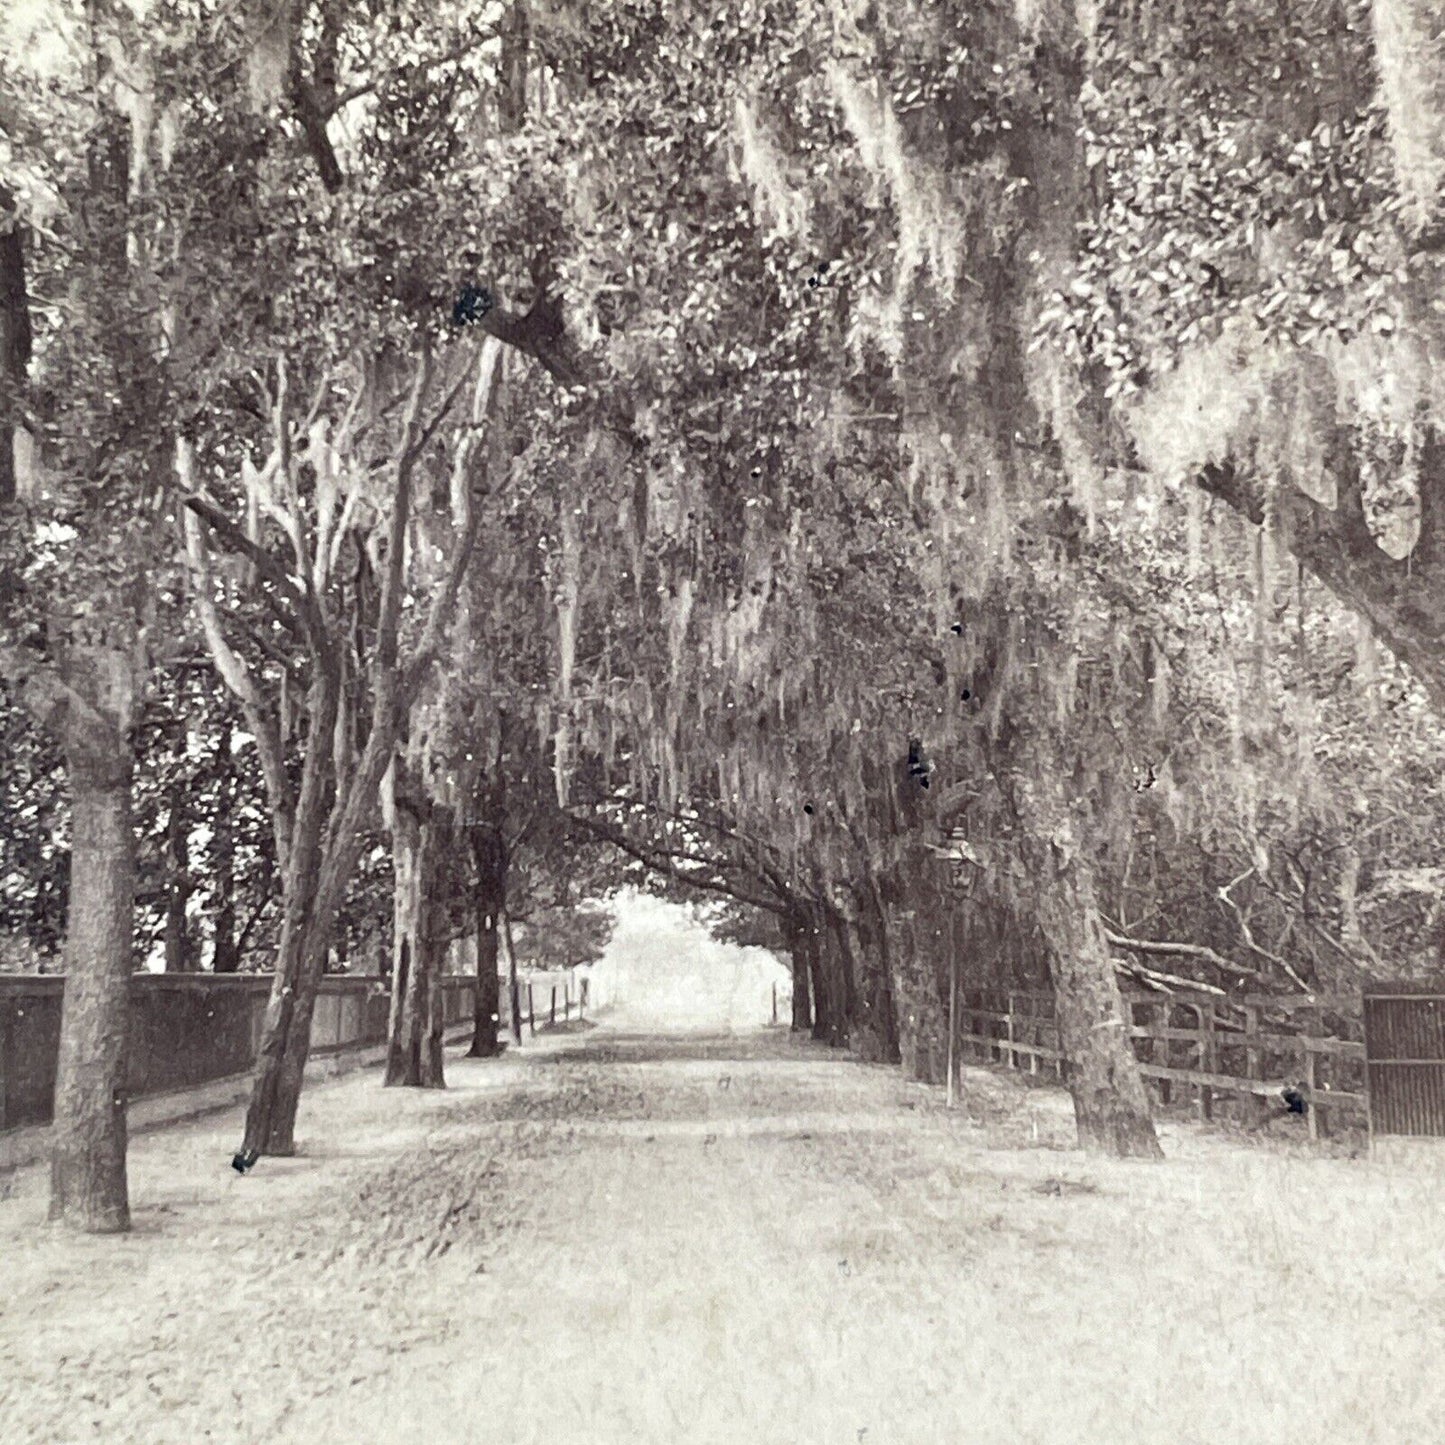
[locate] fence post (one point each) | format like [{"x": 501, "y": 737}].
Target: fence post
[
  {"x": 1313, "y": 1117},
  {"x": 952, "y": 1021},
  {"x": 1253, "y": 1058},
  {"x": 552, "y": 1012},
  {"x": 1205, "y": 1019},
  {"x": 531, "y": 1008},
  {"x": 1011, "y": 1058},
  {"x": 775, "y": 1003},
  {"x": 1161, "y": 1046}
]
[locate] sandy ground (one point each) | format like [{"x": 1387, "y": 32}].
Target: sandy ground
[{"x": 618, "y": 1238}]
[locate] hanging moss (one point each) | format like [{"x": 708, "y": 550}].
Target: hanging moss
[
  {"x": 1410, "y": 56},
  {"x": 782, "y": 204}
]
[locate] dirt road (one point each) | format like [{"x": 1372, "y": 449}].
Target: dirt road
[{"x": 620, "y": 1239}]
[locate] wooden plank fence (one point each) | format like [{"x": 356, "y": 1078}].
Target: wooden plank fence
[{"x": 1202, "y": 1046}]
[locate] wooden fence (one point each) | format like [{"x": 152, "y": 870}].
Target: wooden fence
[
  {"x": 185, "y": 1029},
  {"x": 1197, "y": 1046},
  {"x": 551, "y": 988}
]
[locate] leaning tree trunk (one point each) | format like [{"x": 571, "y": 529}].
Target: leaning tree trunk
[
  {"x": 269, "y": 1122},
  {"x": 88, "y": 1174},
  {"x": 1111, "y": 1107}
]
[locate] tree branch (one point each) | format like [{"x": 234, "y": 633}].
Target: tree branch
[
  {"x": 1182, "y": 950},
  {"x": 235, "y": 674},
  {"x": 1402, "y": 602},
  {"x": 665, "y": 864},
  {"x": 303, "y": 619},
  {"x": 50, "y": 700},
  {"x": 1227, "y": 898}
]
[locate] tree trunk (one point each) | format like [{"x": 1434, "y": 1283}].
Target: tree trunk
[
  {"x": 802, "y": 985},
  {"x": 514, "y": 991},
  {"x": 178, "y": 883},
  {"x": 829, "y": 971},
  {"x": 403, "y": 1055},
  {"x": 88, "y": 1173},
  {"x": 421, "y": 838},
  {"x": 226, "y": 950},
  {"x": 875, "y": 1031},
  {"x": 489, "y": 893},
  {"x": 15, "y": 342},
  {"x": 810, "y": 940},
  {"x": 486, "y": 1041},
  {"x": 839, "y": 966},
  {"x": 1111, "y": 1107},
  {"x": 270, "y": 1119}
]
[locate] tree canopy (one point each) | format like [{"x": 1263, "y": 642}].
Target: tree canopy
[{"x": 942, "y": 476}]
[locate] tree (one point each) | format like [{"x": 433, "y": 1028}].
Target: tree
[{"x": 79, "y": 585}]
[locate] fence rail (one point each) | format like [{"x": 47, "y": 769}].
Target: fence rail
[{"x": 1248, "y": 1048}]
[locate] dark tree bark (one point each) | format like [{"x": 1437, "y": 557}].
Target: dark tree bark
[
  {"x": 514, "y": 988},
  {"x": 516, "y": 29},
  {"x": 828, "y": 971},
  {"x": 267, "y": 1130},
  {"x": 226, "y": 948},
  {"x": 841, "y": 969},
  {"x": 793, "y": 927},
  {"x": 15, "y": 338},
  {"x": 86, "y": 705},
  {"x": 874, "y": 1034},
  {"x": 179, "y": 951},
  {"x": 489, "y": 896},
  {"x": 422, "y": 838},
  {"x": 88, "y": 1173}
]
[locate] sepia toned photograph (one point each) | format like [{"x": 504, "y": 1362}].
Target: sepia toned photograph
[{"x": 722, "y": 724}]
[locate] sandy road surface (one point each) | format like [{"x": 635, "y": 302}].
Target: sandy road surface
[{"x": 612, "y": 1238}]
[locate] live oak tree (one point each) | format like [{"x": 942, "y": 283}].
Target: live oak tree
[
  {"x": 84, "y": 400},
  {"x": 358, "y": 692}
]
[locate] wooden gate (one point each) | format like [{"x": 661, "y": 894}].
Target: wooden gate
[{"x": 1405, "y": 1059}]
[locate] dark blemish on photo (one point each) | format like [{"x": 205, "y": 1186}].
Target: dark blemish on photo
[
  {"x": 471, "y": 305},
  {"x": 918, "y": 767}
]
